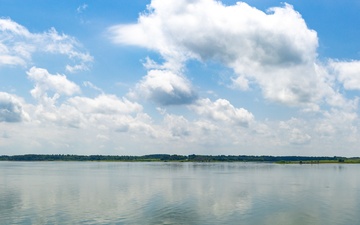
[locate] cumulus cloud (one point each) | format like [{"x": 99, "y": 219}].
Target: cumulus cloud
[
  {"x": 165, "y": 88},
  {"x": 58, "y": 104},
  {"x": 222, "y": 110},
  {"x": 48, "y": 88},
  {"x": 11, "y": 108},
  {"x": 348, "y": 73},
  {"x": 18, "y": 44},
  {"x": 104, "y": 112},
  {"x": 274, "y": 50},
  {"x": 44, "y": 82}
]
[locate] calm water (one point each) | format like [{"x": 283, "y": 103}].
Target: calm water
[{"x": 178, "y": 193}]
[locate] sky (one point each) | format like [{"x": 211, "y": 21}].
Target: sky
[{"x": 180, "y": 77}]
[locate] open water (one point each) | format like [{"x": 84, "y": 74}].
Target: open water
[{"x": 178, "y": 193}]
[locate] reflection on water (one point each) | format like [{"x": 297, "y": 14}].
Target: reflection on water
[{"x": 178, "y": 193}]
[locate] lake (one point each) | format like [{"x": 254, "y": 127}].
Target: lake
[{"x": 178, "y": 193}]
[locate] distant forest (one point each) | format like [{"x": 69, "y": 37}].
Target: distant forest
[{"x": 181, "y": 158}]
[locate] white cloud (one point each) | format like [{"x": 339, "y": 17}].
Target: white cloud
[
  {"x": 11, "y": 108},
  {"x": 44, "y": 82},
  {"x": 104, "y": 112},
  {"x": 274, "y": 50},
  {"x": 165, "y": 88},
  {"x": 57, "y": 106},
  {"x": 18, "y": 44},
  {"x": 298, "y": 137},
  {"x": 104, "y": 104},
  {"x": 107, "y": 112},
  {"x": 91, "y": 85},
  {"x": 9, "y": 28},
  {"x": 81, "y": 8},
  {"x": 348, "y": 73},
  {"x": 340, "y": 124},
  {"x": 294, "y": 131},
  {"x": 178, "y": 126},
  {"x": 222, "y": 110},
  {"x": 325, "y": 129}
]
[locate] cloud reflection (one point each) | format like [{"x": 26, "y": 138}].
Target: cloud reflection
[{"x": 177, "y": 193}]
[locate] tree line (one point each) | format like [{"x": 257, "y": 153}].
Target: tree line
[{"x": 185, "y": 158}]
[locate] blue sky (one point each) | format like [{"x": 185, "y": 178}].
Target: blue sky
[{"x": 180, "y": 77}]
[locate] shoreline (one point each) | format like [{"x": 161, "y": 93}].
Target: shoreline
[{"x": 183, "y": 158}]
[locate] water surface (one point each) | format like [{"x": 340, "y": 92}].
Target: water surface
[{"x": 178, "y": 193}]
